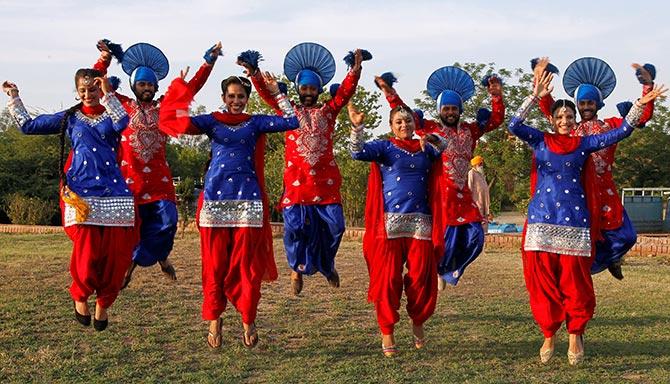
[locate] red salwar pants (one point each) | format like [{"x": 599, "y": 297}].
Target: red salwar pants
[
  {"x": 387, "y": 281},
  {"x": 231, "y": 270},
  {"x": 560, "y": 289},
  {"x": 100, "y": 257}
]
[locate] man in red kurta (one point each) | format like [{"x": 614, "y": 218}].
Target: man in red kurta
[
  {"x": 142, "y": 156},
  {"x": 311, "y": 202}
]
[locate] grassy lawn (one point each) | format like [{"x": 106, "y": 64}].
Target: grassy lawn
[{"x": 482, "y": 330}]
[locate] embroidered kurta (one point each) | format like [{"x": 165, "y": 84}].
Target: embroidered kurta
[
  {"x": 404, "y": 185},
  {"x": 91, "y": 170},
  {"x": 311, "y": 175},
  {"x": 558, "y": 219},
  {"x": 611, "y": 208},
  {"x": 232, "y": 195}
]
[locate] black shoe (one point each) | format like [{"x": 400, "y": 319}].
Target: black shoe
[
  {"x": 82, "y": 319},
  {"x": 334, "y": 279},
  {"x": 100, "y": 325},
  {"x": 615, "y": 270},
  {"x": 128, "y": 276}
]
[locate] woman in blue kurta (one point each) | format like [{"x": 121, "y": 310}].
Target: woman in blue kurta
[
  {"x": 232, "y": 216},
  {"x": 558, "y": 237},
  {"x": 398, "y": 223},
  {"x": 97, "y": 208}
]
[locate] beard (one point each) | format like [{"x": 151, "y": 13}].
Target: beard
[
  {"x": 307, "y": 100},
  {"x": 590, "y": 112},
  {"x": 450, "y": 121},
  {"x": 145, "y": 96}
]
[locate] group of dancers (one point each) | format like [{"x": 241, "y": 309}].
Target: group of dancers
[{"x": 422, "y": 227}]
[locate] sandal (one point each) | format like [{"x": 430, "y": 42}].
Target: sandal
[
  {"x": 389, "y": 351},
  {"x": 216, "y": 337},
  {"x": 576, "y": 358},
  {"x": 334, "y": 279},
  {"x": 251, "y": 335},
  {"x": 419, "y": 342}
]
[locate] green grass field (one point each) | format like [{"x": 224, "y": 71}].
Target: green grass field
[{"x": 482, "y": 330}]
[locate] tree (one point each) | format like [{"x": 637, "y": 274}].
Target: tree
[{"x": 641, "y": 159}]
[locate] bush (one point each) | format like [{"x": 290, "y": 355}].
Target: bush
[{"x": 22, "y": 209}]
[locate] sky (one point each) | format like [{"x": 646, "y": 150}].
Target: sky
[{"x": 44, "y": 42}]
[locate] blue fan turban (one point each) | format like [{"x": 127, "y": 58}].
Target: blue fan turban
[
  {"x": 449, "y": 98},
  {"x": 589, "y": 92},
  {"x": 309, "y": 77},
  {"x": 142, "y": 73}
]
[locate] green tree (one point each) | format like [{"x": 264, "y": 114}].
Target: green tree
[{"x": 641, "y": 159}]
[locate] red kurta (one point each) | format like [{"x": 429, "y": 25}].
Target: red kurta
[
  {"x": 609, "y": 201},
  {"x": 311, "y": 176}
]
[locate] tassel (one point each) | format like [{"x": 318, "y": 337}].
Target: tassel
[
  {"x": 75, "y": 201},
  {"x": 250, "y": 58},
  {"x": 115, "y": 49},
  {"x": 350, "y": 58},
  {"x": 389, "y": 78},
  {"x": 114, "y": 82},
  {"x": 483, "y": 116}
]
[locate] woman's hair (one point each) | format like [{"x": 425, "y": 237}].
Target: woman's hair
[
  {"x": 63, "y": 128},
  {"x": 401, "y": 109},
  {"x": 563, "y": 103},
  {"x": 86, "y": 72},
  {"x": 243, "y": 81}
]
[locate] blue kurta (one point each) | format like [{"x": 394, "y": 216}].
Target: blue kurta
[
  {"x": 404, "y": 186},
  {"x": 232, "y": 195},
  {"x": 558, "y": 218},
  {"x": 93, "y": 172}
]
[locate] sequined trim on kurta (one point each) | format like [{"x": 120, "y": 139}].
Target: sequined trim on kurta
[
  {"x": 105, "y": 211},
  {"x": 18, "y": 111},
  {"x": 231, "y": 213},
  {"x": 414, "y": 225},
  {"x": 575, "y": 241}
]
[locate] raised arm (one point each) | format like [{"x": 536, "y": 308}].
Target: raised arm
[
  {"x": 646, "y": 77},
  {"x": 40, "y": 125},
  {"x": 200, "y": 78},
  {"x": 547, "y": 100},
  {"x": 596, "y": 142},
  {"x": 497, "y": 105},
  {"x": 249, "y": 60},
  {"x": 348, "y": 86},
  {"x": 359, "y": 149},
  {"x": 112, "y": 104},
  {"x": 524, "y": 132},
  {"x": 105, "y": 59}
]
